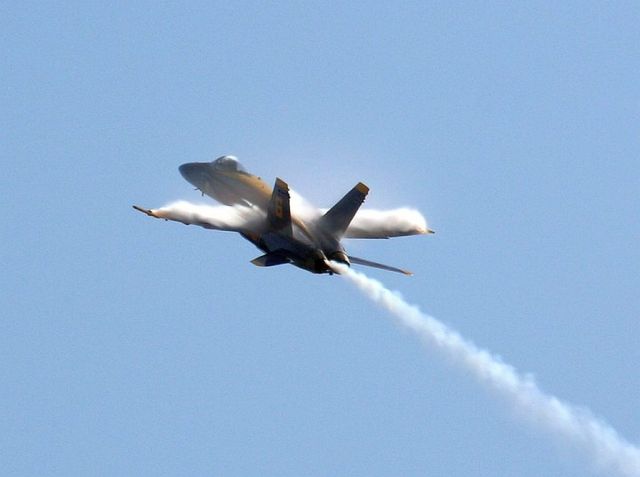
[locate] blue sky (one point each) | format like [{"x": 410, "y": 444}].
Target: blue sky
[{"x": 134, "y": 346}]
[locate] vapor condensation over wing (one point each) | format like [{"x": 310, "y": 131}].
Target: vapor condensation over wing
[
  {"x": 302, "y": 207},
  {"x": 222, "y": 217},
  {"x": 369, "y": 223},
  {"x": 602, "y": 443}
]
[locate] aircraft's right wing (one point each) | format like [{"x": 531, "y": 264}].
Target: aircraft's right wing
[{"x": 234, "y": 219}]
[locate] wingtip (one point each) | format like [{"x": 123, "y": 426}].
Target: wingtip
[{"x": 143, "y": 210}]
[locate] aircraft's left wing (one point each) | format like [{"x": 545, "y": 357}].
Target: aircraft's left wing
[
  {"x": 379, "y": 224},
  {"x": 234, "y": 219}
]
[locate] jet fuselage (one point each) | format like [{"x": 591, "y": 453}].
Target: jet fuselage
[{"x": 225, "y": 180}]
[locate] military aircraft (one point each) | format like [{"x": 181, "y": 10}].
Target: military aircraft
[{"x": 309, "y": 241}]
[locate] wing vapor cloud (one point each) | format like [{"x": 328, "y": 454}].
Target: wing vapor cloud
[
  {"x": 367, "y": 223},
  {"x": 390, "y": 223},
  {"x": 220, "y": 217}
]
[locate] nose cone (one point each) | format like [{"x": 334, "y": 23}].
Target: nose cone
[{"x": 195, "y": 173}]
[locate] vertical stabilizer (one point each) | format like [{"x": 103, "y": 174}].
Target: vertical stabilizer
[
  {"x": 338, "y": 217},
  {"x": 279, "y": 211}
]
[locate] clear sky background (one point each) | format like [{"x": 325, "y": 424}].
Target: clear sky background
[{"x": 131, "y": 346}]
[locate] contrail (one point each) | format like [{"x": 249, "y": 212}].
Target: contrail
[{"x": 609, "y": 451}]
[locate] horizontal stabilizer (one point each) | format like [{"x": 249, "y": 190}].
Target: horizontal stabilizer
[
  {"x": 270, "y": 260},
  {"x": 367, "y": 263}
]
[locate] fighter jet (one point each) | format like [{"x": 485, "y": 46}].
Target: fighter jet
[{"x": 263, "y": 216}]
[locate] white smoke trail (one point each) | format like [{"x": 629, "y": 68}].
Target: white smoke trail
[{"x": 609, "y": 450}]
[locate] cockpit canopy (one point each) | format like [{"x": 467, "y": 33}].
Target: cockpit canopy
[{"x": 228, "y": 163}]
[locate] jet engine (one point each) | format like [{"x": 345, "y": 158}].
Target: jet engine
[{"x": 339, "y": 256}]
